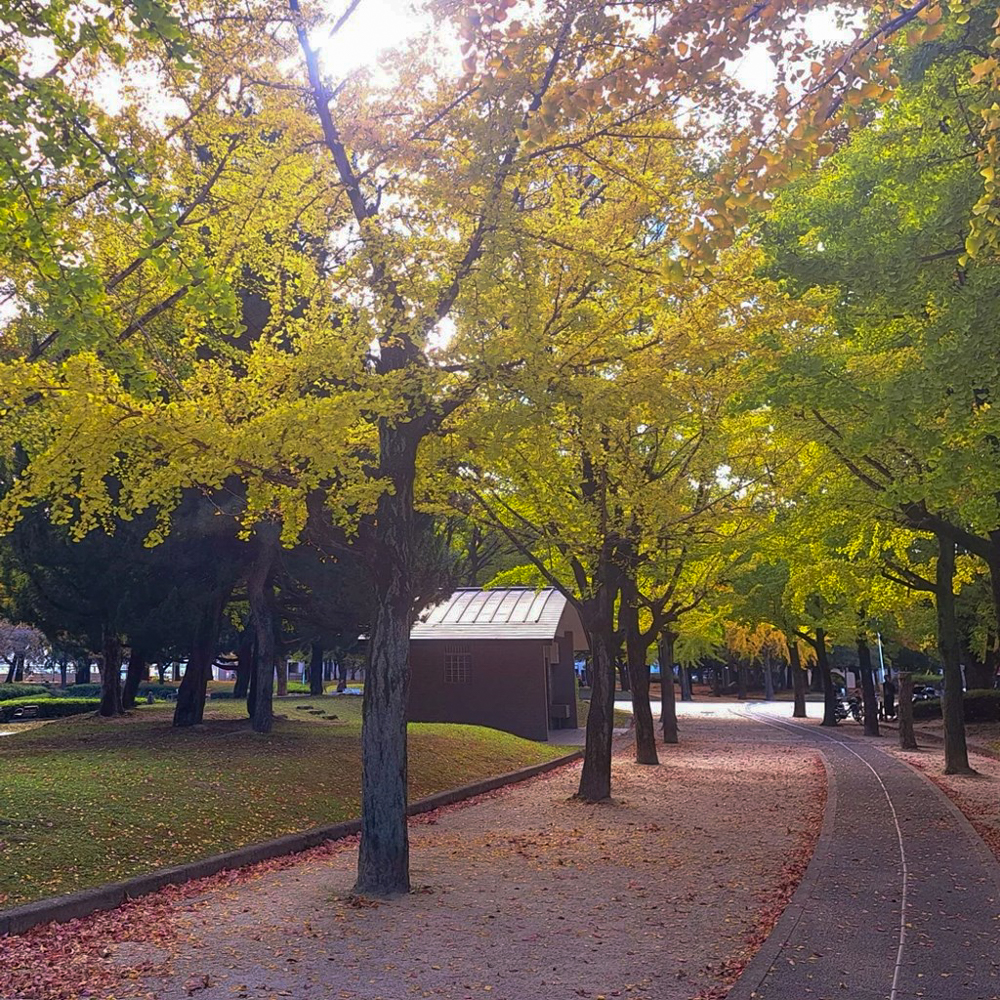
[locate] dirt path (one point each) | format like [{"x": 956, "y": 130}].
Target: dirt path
[
  {"x": 523, "y": 894},
  {"x": 529, "y": 893}
]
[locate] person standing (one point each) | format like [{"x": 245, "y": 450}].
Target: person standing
[{"x": 889, "y": 697}]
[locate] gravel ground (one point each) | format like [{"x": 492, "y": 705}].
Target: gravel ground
[
  {"x": 531, "y": 894},
  {"x": 522, "y": 894}
]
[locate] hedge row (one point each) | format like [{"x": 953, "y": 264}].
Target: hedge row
[
  {"x": 10, "y": 691},
  {"x": 294, "y": 687},
  {"x": 164, "y": 691},
  {"x": 980, "y": 706},
  {"x": 50, "y": 708},
  {"x": 94, "y": 690}
]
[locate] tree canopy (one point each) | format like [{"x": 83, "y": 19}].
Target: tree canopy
[{"x": 294, "y": 347}]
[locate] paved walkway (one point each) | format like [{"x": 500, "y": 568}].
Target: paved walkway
[{"x": 902, "y": 899}]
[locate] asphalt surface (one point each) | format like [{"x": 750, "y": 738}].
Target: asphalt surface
[{"x": 902, "y": 898}]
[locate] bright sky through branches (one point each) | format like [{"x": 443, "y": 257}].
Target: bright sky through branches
[
  {"x": 756, "y": 71},
  {"x": 379, "y": 25},
  {"x": 376, "y": 25}
]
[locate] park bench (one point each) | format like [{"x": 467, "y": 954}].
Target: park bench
[{"x": 25, "y": 712}]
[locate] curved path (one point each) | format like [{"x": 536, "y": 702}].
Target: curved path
[{"x": 901, "y": 900}]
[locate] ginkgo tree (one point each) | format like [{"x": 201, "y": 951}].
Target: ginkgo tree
[
  {"x": 382, "y": 227},
  {"x": 551, "y": 453},
  {"x": 608, "y": 459},
  {"x": 707, "y": 467},
  {"x": 755, "y": 617},
  {"x": 897, "y": 392}
]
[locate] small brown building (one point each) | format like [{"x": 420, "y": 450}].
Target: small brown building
[{"x": 500, "y": 658}]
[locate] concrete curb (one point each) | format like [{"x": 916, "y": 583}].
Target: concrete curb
[
  {"x": 745, "y": 988},
  {"x": 59, "y": 909}
]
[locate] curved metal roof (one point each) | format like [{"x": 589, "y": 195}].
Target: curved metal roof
[{"x": 504, "y": 613}]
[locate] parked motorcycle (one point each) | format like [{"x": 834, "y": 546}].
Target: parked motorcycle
[{"x": 849, "y": 708}]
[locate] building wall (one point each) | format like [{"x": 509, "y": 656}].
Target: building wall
[
  {"x": 562, "y": 681},
  {"x": 505, "y": 688}
]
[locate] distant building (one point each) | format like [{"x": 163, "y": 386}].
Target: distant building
[{"x": 501, "y": 658}]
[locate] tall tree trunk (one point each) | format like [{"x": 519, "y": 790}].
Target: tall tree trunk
[
  {"x": 717, "y": 681},
  {"x": 281, "y": 668},
  {"x": 798, "y": 681},
  {"x": 907, "y": 737},
  {"x": 260, "y": 594},
  {"x": 244, "y": 663},
  {"x": 9, "y": 679},
  {"x": 175, "y": 670},
  {"x": 624, "y": 677},
  {"x": 384, "y": 852},
  {"x": 668, "y": 705},
  {"x": 190, "y": 709},
  {"x": 82, "y": 671},
  {"x": 17, "y": 668},
  {"x": 341, "y": 665},
  {"x": 595, "y": 778},
  {"x": 818, "y": 685},
  {"x": 63, "y": 669},
  {"x": 768, "y": 678},
  {"x": 686, "y": 694},
  {"x": 741, "y": 682},
  {"x": 638, "y": 670},
  {"x": 956, "y": 753},
  {"x": 980, "y": 672},
  {"x": 868, "y": 687},
  {"x": 316, "y": 668},
  {"x": 111, "y": 670},
  {"x": 135, "y": 673},
  {"x": 642, "y": 712},
  {"x": 255, "y": 673},
  {"x": 599, "y": 620},
  {"x": 829, "y": 692}
]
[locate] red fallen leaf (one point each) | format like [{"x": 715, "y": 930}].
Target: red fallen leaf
[
  {"x": 64, "y": 961},
  {"x": 361, "y": 902},
  {"x": 197, "y": 983},
  {"x": 774, "y": 903}
]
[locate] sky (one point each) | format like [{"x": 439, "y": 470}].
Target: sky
[
  {"x": 378, "y": 25},
  {"x": 375, "y": 26}
]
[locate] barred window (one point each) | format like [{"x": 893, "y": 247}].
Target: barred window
[{"x": 457, "y": 666}]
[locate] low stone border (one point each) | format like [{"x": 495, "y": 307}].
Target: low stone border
[{"x": 59, "y": 909}]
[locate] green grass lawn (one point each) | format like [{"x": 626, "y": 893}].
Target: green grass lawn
[
  {"x": 85, "y": 801},
  {"x": 623, "y": 718}
]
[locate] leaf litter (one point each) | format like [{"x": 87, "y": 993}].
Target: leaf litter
[{"x": 522, "y": 892}]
